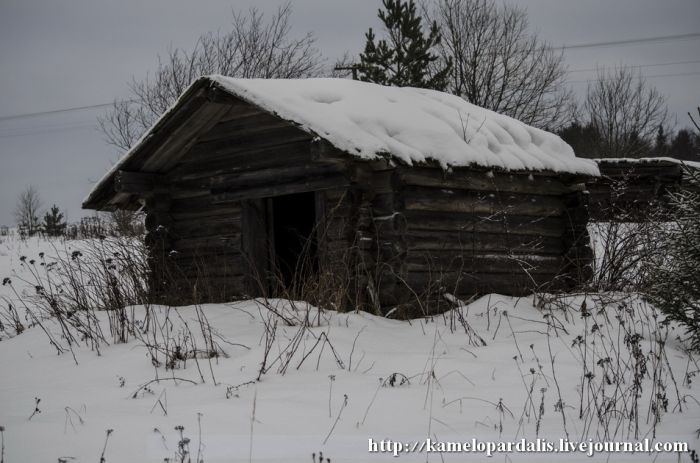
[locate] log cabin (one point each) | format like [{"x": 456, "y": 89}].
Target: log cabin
[
  {"x": 638, "y": 189},
  {"x": 351, "y": 194}
]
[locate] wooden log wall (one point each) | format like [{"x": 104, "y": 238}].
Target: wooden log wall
[
  {"x": 391, "y": 234},
  {"x": 470, "y": 231},
  {"x": 207, "y": 200},
  {"x": 633, "y": 191}
]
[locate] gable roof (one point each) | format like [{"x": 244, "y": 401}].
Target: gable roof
[
  {"x": 414, "y": 125},
  {"x": 370, "y": 121}
]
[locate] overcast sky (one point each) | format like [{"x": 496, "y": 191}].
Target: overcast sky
[{"x": 65, "y": 53}]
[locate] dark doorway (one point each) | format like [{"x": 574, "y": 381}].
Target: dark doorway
[{"x": 294, "y": 244}]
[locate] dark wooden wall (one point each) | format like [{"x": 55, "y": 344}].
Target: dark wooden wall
[
  {"x": 388, "y": 236},
  {"x": 195, "y": 220},
  {"x": 474, "y": 232},
  {"x": 633, "y": 191},
  {"x": 416, "y": 233}
]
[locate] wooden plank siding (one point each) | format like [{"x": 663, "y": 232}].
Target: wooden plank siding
[{"x": 473, "y": 231}]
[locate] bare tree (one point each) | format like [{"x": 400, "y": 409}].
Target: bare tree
[
  {"x": 625, "y": 112},
  {"x": 27, "y": 210},
  {"x": 254, "y": 47},
  {"x": 695, "y": 123},
  {"x": 499, "y": 64}
]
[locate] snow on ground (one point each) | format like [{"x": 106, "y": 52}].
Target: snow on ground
[{"x": 342, "y": 383}]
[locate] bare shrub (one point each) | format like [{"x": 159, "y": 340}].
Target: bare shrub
[
  {"x": 255, "y": 46},
  {"x": 27, "y": 211},
  {"x": 673, "y": 279},
  {"x": 499, "y": 63},
  {"x": 626, "y": 383},
  {"x": 74, "y": 283},
  {"x": 625, "y": 112}
]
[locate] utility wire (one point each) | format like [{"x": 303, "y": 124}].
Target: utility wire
[
  {"x": 660, "y": 38},
  {"x": 53, "y": 111},
  {"x": 645, "y": 77},
  {"x": 639, "y": 66},
  {"x": 578, "y": 46},
  {"x": 61, "y": 110}
]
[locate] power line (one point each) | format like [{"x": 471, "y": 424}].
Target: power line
[
  {"x": 61, "y": 110},
  {"x": 645, "y": 77},
  {"x": 659, "y": 38},
  {"x": 640, "y": 65},
  {"x": 53, "y": 111},
  {"x": 578, "y": 46}
]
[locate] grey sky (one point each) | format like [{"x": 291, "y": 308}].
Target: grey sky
[{"x": 66, "y": 53}]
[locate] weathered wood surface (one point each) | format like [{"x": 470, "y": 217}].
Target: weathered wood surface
[
  {"x": 482, "y": 181},
  {"x": 465, "y": 201},
  {"x": 471, "y": 242},
  {"x": 500, "y": 222},
  {"x": 381, "y": 226},
  {"x": 633, "y": 191},
  {"x": 202, "y": 167}
]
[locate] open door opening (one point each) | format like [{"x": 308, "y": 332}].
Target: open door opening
[{"x": 294, "y": 246}]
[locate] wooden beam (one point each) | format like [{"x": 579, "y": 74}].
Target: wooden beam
[
  {"x": 138, "y": 183},
  {"x": 267, "y": 191}
]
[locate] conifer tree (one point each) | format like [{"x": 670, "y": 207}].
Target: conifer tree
[
  {"x": 54, "y": 223},
  {"x": 404, "y": 58},
  {"x": 661, "y": 143}
]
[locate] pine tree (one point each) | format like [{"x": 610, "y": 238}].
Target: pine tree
[
  {"x": 682, "y": 146},
  {"x": 584, "y": 139},
  {"x": 54, "y": 224},
  {"x": 661, "y": 142},
  {"x": 404, "y": 59}
]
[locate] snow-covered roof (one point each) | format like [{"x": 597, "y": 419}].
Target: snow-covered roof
[
  {"x": 370, "y": 121},
  {"x": 410, "y": 124}
]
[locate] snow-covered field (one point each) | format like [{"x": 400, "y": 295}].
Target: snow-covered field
[{"x": 600, "y": 367}]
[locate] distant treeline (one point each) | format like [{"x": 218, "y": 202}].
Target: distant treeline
[{"x": 587, "y": 142}]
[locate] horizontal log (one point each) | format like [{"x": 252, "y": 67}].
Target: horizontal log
[
  {"x": 264, "y": 177},
  {"x": 206, "y": 163},
  {"x": 187, "y": 192},
  {"x": 482, "y": 262},
  {"x": 451, "y": 200},
  {"x": 245, "y": 143},
  {"x": 467, "y": 241},
  {"x": 204, "y": 212},
  {"x": 465, "y": 206},
  {"x": 240, "y": 109},
  {"x": 244, "y": 125},
  {"x": 309, "y": 184},
  {"x": 208, "y": 245},
  {"x": 192, "y": 204},
  {"x": 484, "y": 223},
  {"x": 234, "y": 266},
  {"x": 212, "y": 227},
  {"x": 482, "y": 181},
  {"x": 139, "y": 183}
]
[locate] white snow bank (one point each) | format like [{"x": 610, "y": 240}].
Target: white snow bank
[
  {"x": 413, "y": 125},
  {"x": 654, "y": 160},
  {"x": 526, "y": 382}
]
